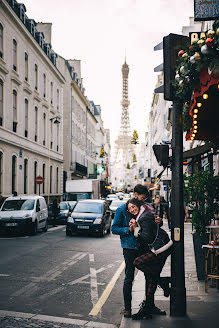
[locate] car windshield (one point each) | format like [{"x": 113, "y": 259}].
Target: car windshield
[
  {"x": 63, "y": 206},
  {"x": 117, "y": 204},
  {"x": 18, "y": 205},
  {"x": 83, "y": 207},
  {"x": 72, "y": 204}
]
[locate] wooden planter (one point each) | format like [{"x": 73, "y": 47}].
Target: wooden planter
[{"x": 198, "y": 241}]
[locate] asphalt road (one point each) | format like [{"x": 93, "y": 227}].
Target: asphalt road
[{"x": 51, "y": 274}]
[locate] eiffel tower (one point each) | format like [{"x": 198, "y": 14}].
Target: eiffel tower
[{"x": 123, "y": 147}]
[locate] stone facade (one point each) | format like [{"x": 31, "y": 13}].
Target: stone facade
[{"x": 32, "y": 100}]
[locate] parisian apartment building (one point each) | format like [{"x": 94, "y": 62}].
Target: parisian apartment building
[{"x": 47, "y": 125}]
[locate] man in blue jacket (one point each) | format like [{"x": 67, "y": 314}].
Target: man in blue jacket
[{"x": 130, "y": 246}]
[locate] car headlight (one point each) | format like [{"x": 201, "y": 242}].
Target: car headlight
[
  {"x": 71, "y": 220},
  {"x": 97, "y": 221}
]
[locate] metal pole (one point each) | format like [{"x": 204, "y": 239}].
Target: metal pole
[
  {"x": 178, "y": 290},
  {"x": 39, "y": 189}
]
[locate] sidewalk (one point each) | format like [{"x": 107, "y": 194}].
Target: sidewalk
[{"x": 202, "y": 308}]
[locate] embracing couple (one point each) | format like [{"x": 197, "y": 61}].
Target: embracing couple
[{"x": 146, "y": 247}]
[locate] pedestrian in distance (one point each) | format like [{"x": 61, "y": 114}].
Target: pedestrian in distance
[
  {"x": 154, "y": 249},
  {"x": 55, "y": 210},
  {"x": 130, "y": 246}
]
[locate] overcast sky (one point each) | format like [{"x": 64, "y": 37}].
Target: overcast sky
[{"x": 99, "y": 33}]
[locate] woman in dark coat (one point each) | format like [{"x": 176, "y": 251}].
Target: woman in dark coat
[{"x": 154, "y": 249}]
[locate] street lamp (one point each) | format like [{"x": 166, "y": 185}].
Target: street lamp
[{"x": 55, "y": 120}]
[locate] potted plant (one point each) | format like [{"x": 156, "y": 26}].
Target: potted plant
[{"x": 201, "y": 193}]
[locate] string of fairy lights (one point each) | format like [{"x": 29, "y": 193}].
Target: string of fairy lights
[{"x": 195, "y": 116}]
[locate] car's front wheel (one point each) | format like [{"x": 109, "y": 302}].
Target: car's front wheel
[
  {"x": 102, "y": 233},
  {"x": 34, "y": 229},
  {"x": 68, "y": 233},
  {"x": 46, "y": 227}
]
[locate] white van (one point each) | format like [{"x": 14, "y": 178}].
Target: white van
[{"x": 24, "y": 213}]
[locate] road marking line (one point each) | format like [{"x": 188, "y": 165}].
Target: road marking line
[
  {"x": 93, "y": 282},
  {"x": 48, "y": 276},
  {"x": 4, "y": 275},
  {"x": 107, "y": 291},
  {"x": 10, "y": 238},
  {"x": 79, "y": 280},
  {"x": 54, "y": 228}
]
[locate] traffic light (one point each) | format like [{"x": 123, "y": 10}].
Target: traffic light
[
  {"x": 172, "y": 43},
  {"x": 161, "y": 153}
]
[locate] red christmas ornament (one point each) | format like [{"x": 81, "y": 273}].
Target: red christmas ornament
[
  {"x": 191, "y": 48},
  {"x": 209, "y": 42},
  {"x": 180, "y": 53}
]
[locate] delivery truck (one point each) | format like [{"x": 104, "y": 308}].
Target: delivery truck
[{"x": 83, "y": 189}]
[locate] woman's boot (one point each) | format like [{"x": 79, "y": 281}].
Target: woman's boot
[
  {"x": 164, "y": 284},
  {"x": 145, "y": 311}
]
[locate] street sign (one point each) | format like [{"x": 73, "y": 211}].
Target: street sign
[
  {"x": 206, "y": 10},
  {"x": 39, "y": 179}
]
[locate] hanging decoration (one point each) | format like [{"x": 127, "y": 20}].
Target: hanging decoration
[
  {"x": 102, "y": 152},
  {"x": 134, "y": 139},
  {"x": 134, "y": 158},
  {"x": 196, "y": 72}
]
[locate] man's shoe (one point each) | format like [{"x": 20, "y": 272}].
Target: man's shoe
[
  {"x": 143, "y": 313},
  {"x": 126, "y": 313},
  {"x": 157, "y": 311}
]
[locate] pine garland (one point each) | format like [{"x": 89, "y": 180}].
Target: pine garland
[{"x": 203, "y": 53}]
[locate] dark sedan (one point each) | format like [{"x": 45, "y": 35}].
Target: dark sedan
[{"x": 90, "y": 216}]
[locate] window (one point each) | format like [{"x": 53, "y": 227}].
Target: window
[
  {"x": 14, "y": 171},
  {"x": 51, "y": 133},
  {"x": 25, "y": 175},
  {"x": 44, "y": 172},
  {"x": 14, "y": 111},
  {"x": 1, "y": 102},
  {"x": 57, "y": 137},
  {"x": 44, "y": 129},
  {"x": 51, "y": 87},
  {"x": 44, "y": 85},
  {"x": 57, "y": 180},
  {"x": 36, "y": 123},
  {"x": 26, "y": 118},
  {"x": 1, "y": 166},
  {"x": 50, "y": 182},
  {"x": 26, "y": 66},
  {"x": 36, "y": 76},
  {"x": 57, "y": 99},
  {"x": 14, "y": 54},
  {"x": 35, "y": 175},
  {"x": 1, "y": 40}
]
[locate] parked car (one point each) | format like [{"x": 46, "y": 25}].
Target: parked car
[
  {"x": 24, "y": 214},
  {"x": 110, "y": 198},
  {"x": 90, "y": 215},
  {"x": 120, "y": 195},
  {"x": 72, "y": 204},
  {"x": 115, "y": 204}
]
